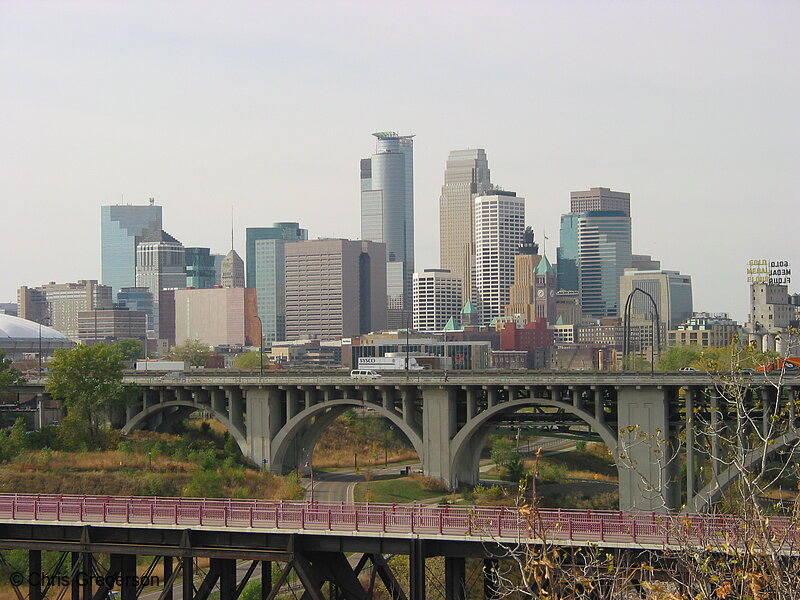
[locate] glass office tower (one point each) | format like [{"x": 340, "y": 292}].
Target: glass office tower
[
  {"x": 122, "y": 228},
  {"x": 200, "y": 270},
  {"x": 567, "y": 253},
  {"x": 604, "y": 252},
  {"x": 387, "y": 216},
  {"x": 264, "y": 265}
]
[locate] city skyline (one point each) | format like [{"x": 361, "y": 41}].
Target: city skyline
[{"x": 697, "y": 124}]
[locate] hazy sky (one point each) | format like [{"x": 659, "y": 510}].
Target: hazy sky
[{"x": 267, "y": 107}]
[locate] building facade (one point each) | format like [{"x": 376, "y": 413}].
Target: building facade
[
  {"x": 499, "y": 225},
  {"x": 599, "y": 198},
  {"x": 111, "y": 325},
  {"x": 265, "y": 271},
  {"x": 200, "y": 268},
  {"x": 387, "y": 216},
  {"x": 770, "y": 317},
  {"x": 217, "y": 317},
  {"x": 533, "y": 293},
  {"x": 465, "y": 178},
  {"x": 706, "y": 330},
  {"x": 160, "y": 265},
  {"x": 604, "y": 252},
  {"x": 437, "y": 299},
  {"x": 122, "y": 227},
  {"x": 57, "y": 305},
  {"x": 334, "y": 288},
  {"x": 232, "y": 271},
  {"x": 671, "y": 291}
]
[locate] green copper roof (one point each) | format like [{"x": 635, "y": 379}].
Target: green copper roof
[
  {"x": 544, "y": 267},
  {"x": 560, "y": 320},
  {"x": 450, "y": 325},
  {"x": 468, "y": 309}
]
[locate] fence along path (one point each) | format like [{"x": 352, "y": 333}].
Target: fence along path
[{"x": 478, "y": 523}]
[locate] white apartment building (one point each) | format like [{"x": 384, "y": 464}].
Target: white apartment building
[
  {"x": 499, "y": 225},
  {"x": 436, "y": 298}
]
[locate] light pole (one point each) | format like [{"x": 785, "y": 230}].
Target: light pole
[{"x": 260, "y": 346}]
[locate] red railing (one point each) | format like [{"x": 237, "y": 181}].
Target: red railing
[{"x": 501, "y": 524}]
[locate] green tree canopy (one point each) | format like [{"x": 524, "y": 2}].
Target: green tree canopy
[
  {"x": 249, "y": 360},
  {"x": 195, "y": 352},
  {"x": 679, "y": 357},
  {"x": 130, "y": 349},
  {"x": 8, "y": 375},
  {"x": 89, "y": 381}
]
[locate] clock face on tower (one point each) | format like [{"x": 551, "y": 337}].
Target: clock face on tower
[{"x": 540, "y": 293}]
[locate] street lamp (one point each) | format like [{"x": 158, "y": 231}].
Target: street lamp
[{"x": 260, "y": 346}]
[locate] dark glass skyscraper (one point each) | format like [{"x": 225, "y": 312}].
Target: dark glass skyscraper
[
  {"x": 122, "y": 227},
  {"x": 200, "y": 270},
  {"x": 264, "y": 264},
  {"x": 387, "y": 216}
]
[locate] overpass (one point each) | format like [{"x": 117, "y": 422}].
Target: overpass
[
  {"x": 312, "y": 538},
  {"x": 648, "y": 421}
]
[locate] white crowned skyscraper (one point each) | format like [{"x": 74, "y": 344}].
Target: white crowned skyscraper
[{"x": 387, "y": 216}]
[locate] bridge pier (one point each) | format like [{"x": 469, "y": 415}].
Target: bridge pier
[
  {"x": 438, "y": 428},
  {"x": 645, "y": 450}
]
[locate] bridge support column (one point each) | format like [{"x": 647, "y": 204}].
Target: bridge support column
[
  {"x": 202, "y": 397},
  {"x": 35, "y": 569},
  {"x": 387, "y": 398},
  {"x": 167, "y": 593},
  {"x": 599, "y": 413},
  {"x": 263, "y": 422},
  {"x": 416, "y": 570},
  {"x": 218, "y": 400},
  {"x": 236, "y": 406},
  {"x": 455, "y": 578},
  {"x": 408, "y": 405},
  {"x": 491, "y": 396},
  {"x": 645, "y": 447},
  {"x": 438, "y": 428},
  {"x": 291, "y": 403},
  {"x": 472, "y": 402}
]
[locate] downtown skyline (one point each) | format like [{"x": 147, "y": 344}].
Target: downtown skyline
[{"x": 109, "y": 105}]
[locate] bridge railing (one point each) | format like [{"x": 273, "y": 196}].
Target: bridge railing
[{"x": 502, "y": 524}]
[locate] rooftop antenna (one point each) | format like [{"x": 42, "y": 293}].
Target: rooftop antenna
[{"x": 152, "y": 201}]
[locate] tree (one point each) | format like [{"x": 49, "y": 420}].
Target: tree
[
  {"x": 8, "y": 375},
  {"x": 678, "y": 357},
  {"x": 195, "y": 352},
  {"x": 89, "y": 381},
  {"x": 502, "y": 452},
  {"x": 249, "y": 360},
  {"x": 130, "y": 349}
]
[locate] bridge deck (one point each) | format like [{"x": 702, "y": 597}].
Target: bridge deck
[{"x": 457, "y": 523}]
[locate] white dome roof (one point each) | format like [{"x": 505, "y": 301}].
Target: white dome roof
[{"x": 14, "y": 328}]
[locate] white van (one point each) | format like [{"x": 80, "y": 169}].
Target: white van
[{"x": 364, "y": 374}]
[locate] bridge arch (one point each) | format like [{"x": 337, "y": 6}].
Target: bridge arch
[
  {"x": 139, "y": 419},
  {"x": 467, "y": 444},
  {"x": 327, "y": 412},
  {"x": 712, "y": 492}
]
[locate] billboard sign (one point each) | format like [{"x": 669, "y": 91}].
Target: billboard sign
[{"x": 772, "y": 272}]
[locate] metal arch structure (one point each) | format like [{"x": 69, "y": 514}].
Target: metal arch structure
[{"x": 626, "y": 328}]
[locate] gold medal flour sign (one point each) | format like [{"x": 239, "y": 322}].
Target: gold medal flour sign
[{"x": 773, "y": 272}]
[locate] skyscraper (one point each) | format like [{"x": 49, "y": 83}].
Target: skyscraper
[
  {"x": 160, "y": 265},
  {"x": 671, "y": 291},
  {"x": 437, "y": 299},
  {"x": 465, "y": 178},
  {"x": 387, "y": 216},
  {"x": 604, "y": 252},
  {"x": 533, "y": 294},
  {"x": 264, "y": 247},
  {"x": 200, "y": 272},
  {"x": 122, "y": 227},
  {"x": 232, "y": 271},
  {"x": 334, "y": 288},
  {"x": 599, "y": 198},
  {"x": 499, "y": 224}
]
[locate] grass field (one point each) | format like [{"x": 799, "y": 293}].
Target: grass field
[{"x": 395, "y": 489}]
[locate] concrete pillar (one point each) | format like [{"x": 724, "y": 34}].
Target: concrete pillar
[
  {"x": 263, "y": 423},
  {"x": 236, "y": 407},
  {"x": 491, "y": 396},
  {"x": 512, "y": 392},
  {"x": 292, "y": 404},
  {"x": 472, "y": 402},
  {"x": 408, "y": 405},
  {"x": 556, "y": 392},
  {"x": 218, "y": 400},
  {"x": 202, "y": 396},
  {"x": 599, "y": 413},
  {"x": 310, "y": 397},
  {"x": 387, "y": 398},
  {"x": 438, "y": 428},
  {"x": 691, "y": 459},
  {"x": 645, "y": 450},
  {"x": 576, "y": 395}
]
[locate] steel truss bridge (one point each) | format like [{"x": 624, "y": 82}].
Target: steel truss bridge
[
  {"x": 312, "y": 540},
  {"x": 278, "y": 418}
]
